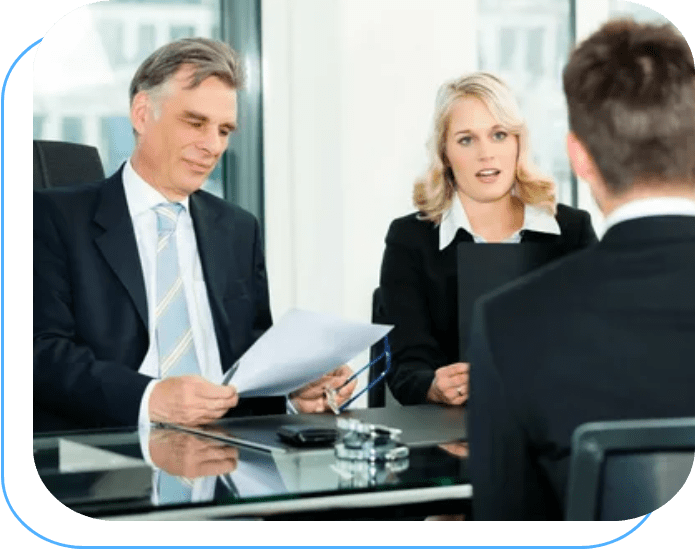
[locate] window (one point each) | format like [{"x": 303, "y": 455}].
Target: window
[
  {"x": 534, "y": 51},
  {"x": 112, "y": 38},
  {"x": 507, "y": 48},
  {"x": 71, "y": 129},
  {"x": 147, "y": 38},
  {"x": 181, "y": 31},
  {"x": 38, "y": 124},
  {"x": 116, "y": 141}
]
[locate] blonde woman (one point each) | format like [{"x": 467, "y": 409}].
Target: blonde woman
[{"x": 480, "y": 187}]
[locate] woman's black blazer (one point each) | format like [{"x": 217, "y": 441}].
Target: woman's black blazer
[{"x": 418, "y": 287}]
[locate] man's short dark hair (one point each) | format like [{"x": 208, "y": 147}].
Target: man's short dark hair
[
  {"x": 630, "y": 91},
  {"x": 208, "y": 58}
]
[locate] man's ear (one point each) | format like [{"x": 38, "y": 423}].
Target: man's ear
[
  {"x": 582, "y": 162},
  {"x": 140, "y": 111},
  {"x": 584, "y": 166}
]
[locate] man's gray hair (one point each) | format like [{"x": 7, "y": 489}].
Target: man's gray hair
[{"x": 207, "y": 57}]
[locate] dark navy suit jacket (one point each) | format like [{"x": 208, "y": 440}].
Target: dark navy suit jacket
[
  {"x": 606, "y": 334},
  {"x": 90, "y": 309}
]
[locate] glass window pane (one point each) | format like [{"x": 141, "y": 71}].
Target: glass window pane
[
  {"x": 38, "y": 124},
  {"x": 116, "y": 142},
  {"x": 181, "y": 31},
  {"x": 72, "y": 129},
  {"x": 147, "y": 39},
  {"x": 507, "y": 48},
  {"x": 534, "y": 51},
  {"x": 111, "y": 33}
]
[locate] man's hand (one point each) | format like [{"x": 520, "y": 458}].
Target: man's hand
[
  {"x": 450, "y": 384},
  {"x": 186, "y": 455},
  {"x": 311, "y": 399},
  {"x": 190, "y": 400}
]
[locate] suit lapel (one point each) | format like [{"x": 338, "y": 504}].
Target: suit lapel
[
  {"x": 117, "y": 242},
  {"x": 214, "y": 235}
]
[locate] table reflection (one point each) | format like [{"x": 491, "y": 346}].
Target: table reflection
[
  {"x": 120, "y": 473},
  {"x": 189, "y": 456}
]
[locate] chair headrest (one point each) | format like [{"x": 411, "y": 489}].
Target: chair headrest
[{"x": 58, "y": 163}]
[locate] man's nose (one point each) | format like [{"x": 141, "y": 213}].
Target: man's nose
[{"x": 214, "y": 142}]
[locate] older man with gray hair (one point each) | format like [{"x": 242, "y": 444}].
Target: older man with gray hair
[{"x": 146, "y": 288}]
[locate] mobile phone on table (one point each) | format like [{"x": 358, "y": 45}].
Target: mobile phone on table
[{"x": 306, "y": 435}]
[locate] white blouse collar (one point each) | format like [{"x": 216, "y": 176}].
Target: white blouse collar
[{"x": 455, "y": 218}]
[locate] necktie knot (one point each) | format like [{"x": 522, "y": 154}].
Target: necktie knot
[{"x": 167, "y": 216}]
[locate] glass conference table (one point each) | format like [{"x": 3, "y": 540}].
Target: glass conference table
[{"x": 241, "y": 469}]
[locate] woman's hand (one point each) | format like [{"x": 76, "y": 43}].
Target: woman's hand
[{"x": 450, "y": 384}]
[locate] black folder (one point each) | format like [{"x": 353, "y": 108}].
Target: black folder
[{"x": 482, "y": 268}]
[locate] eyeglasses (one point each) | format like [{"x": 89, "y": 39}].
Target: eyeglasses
[{"x": 332, "y": 394}]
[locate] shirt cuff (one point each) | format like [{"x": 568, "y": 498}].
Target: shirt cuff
[
  {"x": 144, "y": 430},
  {"x": 144, "y": 415},
  {"x": 289, "y": 407}
]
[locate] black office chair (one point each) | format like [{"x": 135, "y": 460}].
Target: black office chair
[
  {"x": 625, "y": 469},
  {"x": 376, "y": 398},
  {"x": 58, "y": 163}
]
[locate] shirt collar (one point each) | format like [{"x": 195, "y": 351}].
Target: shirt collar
[
  {"x": 140, "y": 195},
  {"x": 649, "y": 207},
  {"x": 455, "y": 218}
]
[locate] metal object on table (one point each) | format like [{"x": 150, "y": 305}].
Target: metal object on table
[
  {"x": 368, "y": 442},
  {"x": 368, "y": 454},
  {"x": 363, "y": 474}
]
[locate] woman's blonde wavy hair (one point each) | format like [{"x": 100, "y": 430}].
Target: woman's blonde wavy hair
[{"x": 434, "y": 191}]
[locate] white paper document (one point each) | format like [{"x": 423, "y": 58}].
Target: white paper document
[{"x": 300, "y": 348}]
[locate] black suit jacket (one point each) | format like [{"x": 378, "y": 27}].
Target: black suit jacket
[
  {"x": 419, "y": 292},
  {"x": 606, "y": 334},
  {"x": 90, "y": 309}
]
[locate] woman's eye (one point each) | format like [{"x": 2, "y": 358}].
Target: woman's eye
[
  {"x": 196, "y": 124},
  {"x": 499, "y": 136},
  {"x": 465, "y": 141}
]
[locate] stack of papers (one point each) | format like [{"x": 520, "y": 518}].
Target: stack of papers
[{"x": 300, "y": 348}]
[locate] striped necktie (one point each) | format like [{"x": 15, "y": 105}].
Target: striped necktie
[
  {"x": 172, "y": 489},
  {"x": 173, "y": 332}
]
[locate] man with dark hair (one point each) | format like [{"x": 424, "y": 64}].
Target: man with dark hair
[
  {"x": 608, "y": 333},
  {"x": 146, "y": 288}
]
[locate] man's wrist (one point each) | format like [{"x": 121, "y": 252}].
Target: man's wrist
[{"x": 144, "y": 414}]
